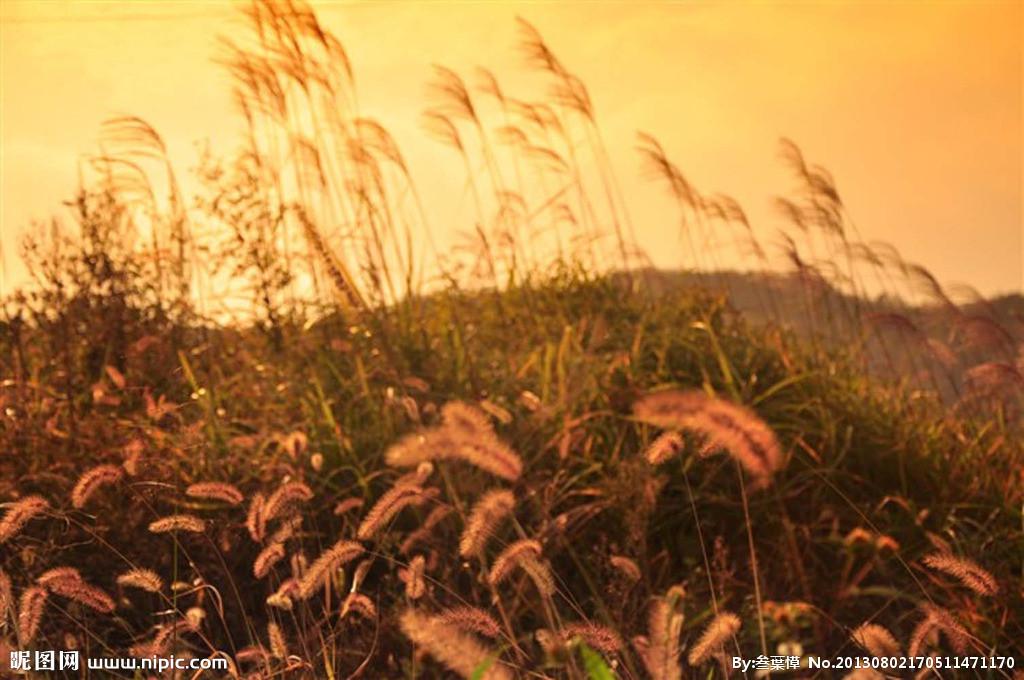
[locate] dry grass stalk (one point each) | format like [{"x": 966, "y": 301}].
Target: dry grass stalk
[
  {"x": 219, "y": 491},
  {"x": 143, "y": 579},
  {"x": 483, "y": 519},
  {"x": 19, "y": 514},
  {"x": 727, "y": 426},
  {"x": 30, "y": 613},
  {"x": 718, "y": 632},
  {"x": 473, "y": 620},
  {"x": 337, "y": 555},
  {"x": 876, "y": 640},
  {"x": 969, "y": 573},
  {"x": 449, "y": 645},
  {"x": 189, "y": 523},
  {"x": 92, "y": 480},
  {"x": 389, "y": 505}
]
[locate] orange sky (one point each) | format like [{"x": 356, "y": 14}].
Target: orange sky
[{"x": 914, "y": 107}]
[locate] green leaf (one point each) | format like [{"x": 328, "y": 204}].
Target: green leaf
[
  {"x": 479, "y": 671},
  {"x": 595, "y": 666}
]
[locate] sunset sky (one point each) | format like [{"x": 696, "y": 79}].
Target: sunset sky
[{"x": 915, "y": 107}]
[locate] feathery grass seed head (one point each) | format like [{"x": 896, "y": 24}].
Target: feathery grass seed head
[
  {"x": 92, "y": 480},
  {"x": 19, "y": 514}
]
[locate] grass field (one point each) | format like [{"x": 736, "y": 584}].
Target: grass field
[{"x": 544, "y": 464}]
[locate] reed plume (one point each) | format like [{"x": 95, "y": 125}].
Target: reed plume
[
  {"x": 92, "y": 480},
  {"x": 189, "y": 523},
  {"x": 876, "y": 640},
  {"x": 727, "y": 426},
  {"x": 389, "y": 505},
  {"x": 218, "y": 491},
  {"x": 969, "y": 573},
  {"x": 30, "y": 613},
  {"x": 19, "y": 514},
  {"x": 449, "y": 645},
  {"x": 472, "y": 620},
  {"x": 483, "y": 519},
  {"x": 143, "y": 579},
  {"x": 336, "y": 556},
  {"x": 718, "y": 632}
]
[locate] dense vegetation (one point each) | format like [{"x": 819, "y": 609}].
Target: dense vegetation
[{"x": 547, "y": 464}]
